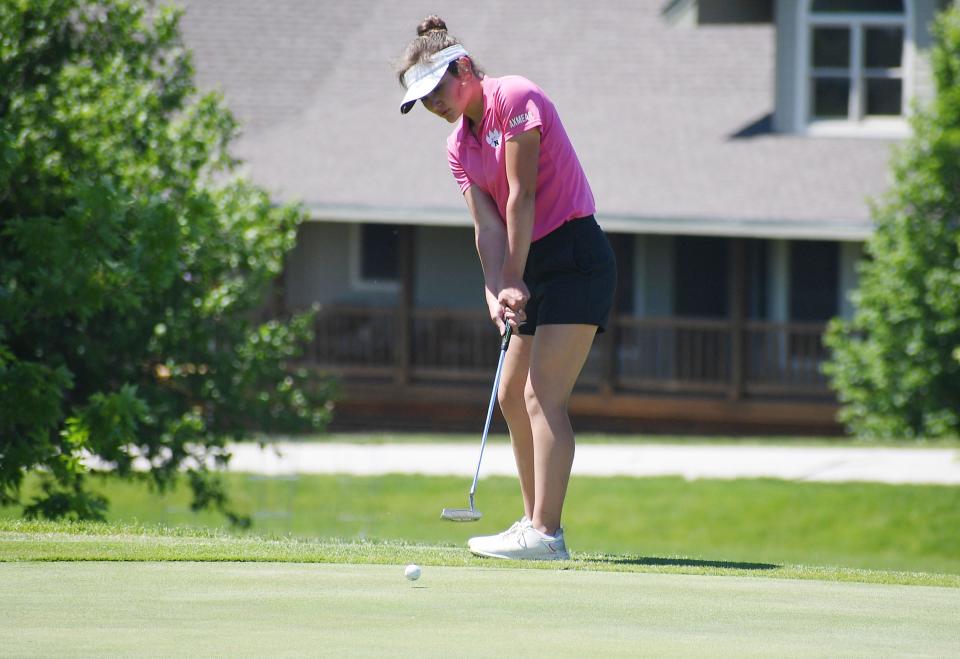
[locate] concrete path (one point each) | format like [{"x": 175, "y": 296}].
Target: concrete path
[{"x": 885, "y": 465}]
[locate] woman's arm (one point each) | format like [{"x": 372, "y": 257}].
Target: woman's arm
[
  {"x": 522, "y": 159},
  {"x": 491, "y": 240}
]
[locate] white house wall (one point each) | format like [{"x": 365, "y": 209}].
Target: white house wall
[
  {"x": 317, "y": 268},
  {"x": 653, "y": 275},
  {"x": 448, "y": 273},
  {"x": 321, "y": 269}
]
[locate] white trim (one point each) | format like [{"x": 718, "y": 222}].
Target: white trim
[
  {"x": 800, "y": 68},
  {"x": 855, "y": 105},
  {"x": 817, "y": 229},
  {"x": 778, "y": 294},
  {"x": 850, "y": 255},
  {"x": 357, "y": 282},
  {"x": 358, "y": 214},
  {"x": 778, "y": 267},
  {"x": 843, "y": 229},
  {"x": 866, "y": 127},
  {"x": 858, "y": 19}
]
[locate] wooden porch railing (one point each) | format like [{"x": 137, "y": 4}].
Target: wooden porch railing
[{"x": 665, "y": 355}]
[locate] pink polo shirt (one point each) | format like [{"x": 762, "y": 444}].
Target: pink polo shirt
[{"x": 513, "y": 105}]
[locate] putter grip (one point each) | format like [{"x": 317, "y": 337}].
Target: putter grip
[{"x": 505, "y": 340}]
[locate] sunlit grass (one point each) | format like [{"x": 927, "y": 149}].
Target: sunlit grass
[
  {"x": 71, "y": 541},
  {"x": 854, "y": 525}
]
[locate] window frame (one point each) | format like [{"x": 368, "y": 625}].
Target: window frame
[
  {"x": 357, "y": 281},
  {"x": 856, "y": 124}
]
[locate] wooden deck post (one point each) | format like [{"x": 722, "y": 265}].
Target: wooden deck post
[
  {"x": 404, "y": 327},
  {"x": 611, "y": 338},
  {"x": 737, "y": 305}
]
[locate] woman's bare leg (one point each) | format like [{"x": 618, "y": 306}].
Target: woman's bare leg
[
  {"x": 555, "y": 361},
  {"x": 513, "y": 381}
]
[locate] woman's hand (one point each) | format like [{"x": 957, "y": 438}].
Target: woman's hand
[
  {"x": 513, "y": 298},
  {"x": 496, "y": 312}
]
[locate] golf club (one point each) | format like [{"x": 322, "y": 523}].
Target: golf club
[{"x": 471, "y": 514}]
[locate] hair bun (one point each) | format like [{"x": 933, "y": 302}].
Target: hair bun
[{"x": 431, "y": 24}]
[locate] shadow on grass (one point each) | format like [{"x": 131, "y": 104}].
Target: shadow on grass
[{"x": 683, "y": 562}]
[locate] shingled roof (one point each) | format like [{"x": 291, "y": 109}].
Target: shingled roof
[{"x": 668, "y": 122}]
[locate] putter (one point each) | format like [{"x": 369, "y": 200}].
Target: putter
[{"x": 471, "y": 514}]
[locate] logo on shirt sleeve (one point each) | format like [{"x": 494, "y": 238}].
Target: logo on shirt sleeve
[
  {"x": 494, "y": 137},
  {"x": 519, "y": 119}
]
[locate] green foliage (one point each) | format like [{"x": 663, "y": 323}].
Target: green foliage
[
  {"x": 135, "y": 264},
  {"x": 896, "y": 364}
]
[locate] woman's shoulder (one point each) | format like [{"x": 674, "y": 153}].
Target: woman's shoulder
[
  {"x": 513, "y": 94},
  {"x": 514, "y": 84}
]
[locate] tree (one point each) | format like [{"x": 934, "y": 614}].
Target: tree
[
  {"x": 896, "y": 364},
  {"x": 134, "y": 264}
]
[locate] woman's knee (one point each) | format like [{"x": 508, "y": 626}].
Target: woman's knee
[
  {"x": 541, "y": 400},
  {"x": 510, "y": 396}
]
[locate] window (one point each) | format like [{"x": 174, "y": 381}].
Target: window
[
  {"x": 375, "y": 258},
  {"x": 854, "y": 65},
  {"x": 814, "y": 278},
  {"x": 758, "y": 279},
  {"x": 700, "y": 277}
]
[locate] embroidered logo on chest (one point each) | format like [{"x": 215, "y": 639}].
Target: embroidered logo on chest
[{"x": 494, "y": 137}]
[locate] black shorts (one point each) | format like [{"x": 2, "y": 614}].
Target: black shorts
[{"x": 572, "y": 274}]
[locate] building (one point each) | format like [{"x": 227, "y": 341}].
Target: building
[{"x": 733, "y": 147}]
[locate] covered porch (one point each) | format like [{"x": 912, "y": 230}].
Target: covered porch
[
  {"x": 402, "y": 364},
  {"x": 732, "y": 359},
  {"x": 432, "y": 369}
]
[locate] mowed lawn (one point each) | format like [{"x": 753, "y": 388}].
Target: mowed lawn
[
  {"x": 859, "y": 525},
  {"x": 117, "y": 590},
  {"x": 341, "y": 609}
]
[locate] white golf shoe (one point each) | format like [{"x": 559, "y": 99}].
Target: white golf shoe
[
  {"x": 485, "y": 540},
  {"x": 521, "y": 542}
]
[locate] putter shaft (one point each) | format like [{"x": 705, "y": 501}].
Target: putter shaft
[
  {"x": 472, "y": 514},
  {"x": 504, "y": 344}
]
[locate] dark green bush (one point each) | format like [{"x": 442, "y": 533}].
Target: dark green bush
[
  {"x": 896, "y": 365},
  {"x": 134, "y": 262}
]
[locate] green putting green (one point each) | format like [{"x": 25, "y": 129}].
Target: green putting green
[{"x": 206, "y": 609}]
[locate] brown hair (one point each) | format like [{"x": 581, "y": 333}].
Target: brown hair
[{"x": 432, "y": 37}]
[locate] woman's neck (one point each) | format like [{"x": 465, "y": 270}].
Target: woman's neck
[{"x": 474, "y": 109}]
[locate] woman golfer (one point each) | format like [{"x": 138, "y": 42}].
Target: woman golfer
[{"x": 547, "y": 266}]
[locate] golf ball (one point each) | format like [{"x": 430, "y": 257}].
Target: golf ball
[{"x": 412, "y": 572}]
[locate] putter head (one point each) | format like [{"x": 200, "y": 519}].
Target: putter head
[{"x": 461, "y": 514}]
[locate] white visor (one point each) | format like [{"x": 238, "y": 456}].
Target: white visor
[{"x": 420, "y": 79}]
